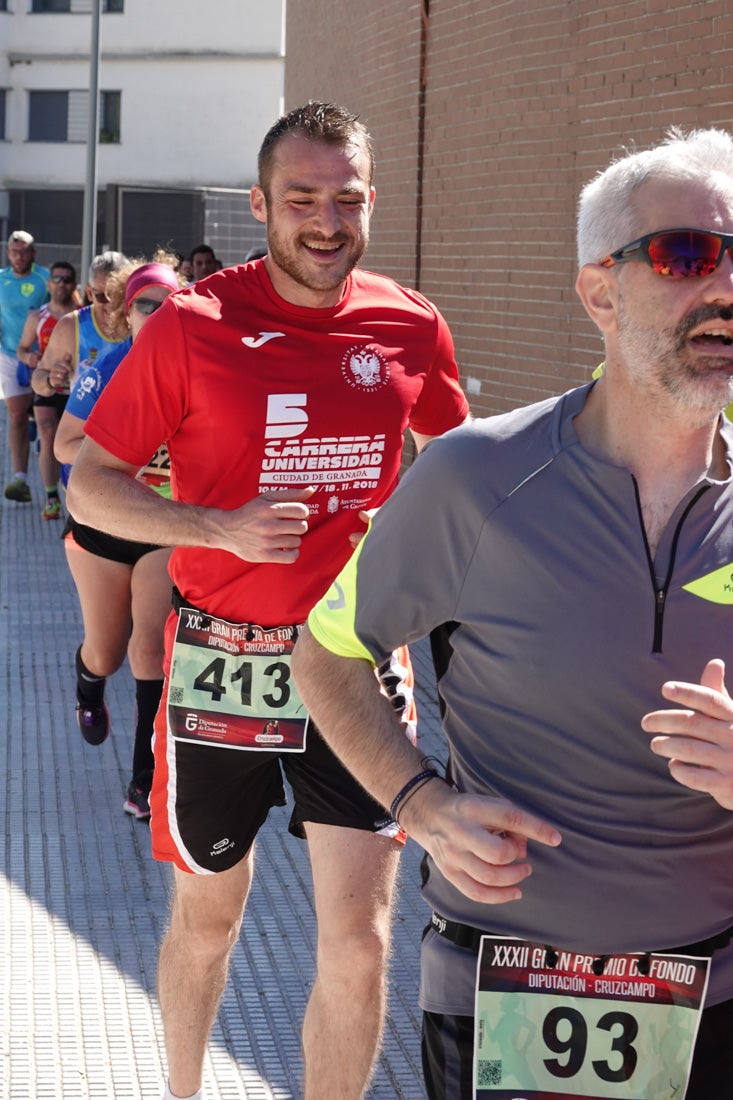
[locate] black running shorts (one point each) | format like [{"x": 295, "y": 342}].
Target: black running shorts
[{"x": 107, "y": 546}]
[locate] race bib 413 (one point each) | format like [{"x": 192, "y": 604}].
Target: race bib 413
[{"x": 230, "y": 685}]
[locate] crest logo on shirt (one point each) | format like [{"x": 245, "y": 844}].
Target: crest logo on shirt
[
  {"x": 89, "y": 383},
  {"x": 90, "y": 359},
  {"x": 26, "y": 289},
  {"x": 365, "y": 368}
]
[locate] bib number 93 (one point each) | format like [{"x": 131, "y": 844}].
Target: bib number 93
[{"x": 565, "y": 1032}]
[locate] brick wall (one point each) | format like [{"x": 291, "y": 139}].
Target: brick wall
[
  {"x": 326, "y": 42},
  {"x": 524, "y": 100}
]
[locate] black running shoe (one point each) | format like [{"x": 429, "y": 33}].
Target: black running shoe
[
  {"x": 18, "y": 490},
  {"x": 93, "y": 723},
  {"x": 136, "y": 801}
]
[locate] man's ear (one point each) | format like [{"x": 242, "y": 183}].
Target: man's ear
[
  {"x": 597, "y": 288},
  {"x": 258, "y": 203}
]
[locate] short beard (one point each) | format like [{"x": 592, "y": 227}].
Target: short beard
[
  {"x": 290, "y": 264},
  {"x": 667, "y": 372}
]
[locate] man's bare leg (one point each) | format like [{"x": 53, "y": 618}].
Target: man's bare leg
[
  {"x": 206, "y": 916},
  {"x": 354, "y": 874},
  {"x": 18, "y": 408},
  {"x": 47, "y": 421}
]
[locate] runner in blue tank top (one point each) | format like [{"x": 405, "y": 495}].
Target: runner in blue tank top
[
  {"x": 80, "y": 339},
  {"x": 22, "y": 287}
]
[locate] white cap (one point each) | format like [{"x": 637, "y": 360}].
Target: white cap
[{"x": 19, "y": 236}]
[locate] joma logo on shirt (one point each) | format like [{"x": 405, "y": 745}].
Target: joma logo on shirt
[{"x": 258, "y": 341}]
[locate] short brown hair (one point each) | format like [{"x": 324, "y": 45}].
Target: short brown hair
[
  {"x": 325, "y": 122},
  {"x": 63, "y": 265}
]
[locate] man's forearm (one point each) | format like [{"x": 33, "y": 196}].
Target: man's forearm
[
  {"x": 478, "y": 842},
  {"x": 40, "y": 383},
  {"x": 104, "y": 492},
  {"x": 118, "y": 503},
  {"x": 27, "y": 355},
  {"x": 358, "y": 722}
]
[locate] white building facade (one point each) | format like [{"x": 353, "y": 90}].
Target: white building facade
[{"x": 187, "y": 91}]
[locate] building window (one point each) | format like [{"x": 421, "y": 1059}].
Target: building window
[
  {"x": 63, "y": 116},
  {"x": 78, "y": 7},
  {"x": 109, "y": 118},
  {"x": 51, "y": 5},
  {"x": 3, "y": 5},
  {"x": 48, "y": 116}
]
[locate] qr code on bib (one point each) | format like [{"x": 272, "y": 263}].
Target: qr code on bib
[
  {"x": 489, "y": 1072},
  {"x": 176, "y": 696}
]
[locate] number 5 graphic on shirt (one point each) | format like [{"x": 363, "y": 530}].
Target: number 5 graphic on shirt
[{"x": 286, "y": 415}]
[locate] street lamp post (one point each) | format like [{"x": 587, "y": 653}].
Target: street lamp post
[{"x": 89, "y": 228}]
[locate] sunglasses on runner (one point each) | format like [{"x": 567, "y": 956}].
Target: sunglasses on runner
[
  {"x": 676, "y": 253},
  {"x": 100, "y": 297},
  {"x": 63, "y": 279},
  {"x": 147, "y": 306}
]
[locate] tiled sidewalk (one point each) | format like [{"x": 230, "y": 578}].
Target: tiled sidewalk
[{"x": 83, "y": 905}]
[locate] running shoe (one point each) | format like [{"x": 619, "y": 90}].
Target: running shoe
[
  {"x": 18, "y": 490},
  {"x": 93, "y": 723},
  {"x": 52, "y": 509},
  {"x": 136, "y": 802}
]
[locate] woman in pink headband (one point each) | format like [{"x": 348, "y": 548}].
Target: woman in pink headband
[
  {"x": 155, "y": 281},
  {"x": 123, "y": 587}
]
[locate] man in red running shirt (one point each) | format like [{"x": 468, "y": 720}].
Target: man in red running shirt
[{"x": 283, "y": 388}]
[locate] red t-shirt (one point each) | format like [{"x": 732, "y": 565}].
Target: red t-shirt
[{"x": 253, "y": 393}]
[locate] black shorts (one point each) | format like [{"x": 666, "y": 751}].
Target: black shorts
[
  {"x": 447, "y": 1055},
  {"x": 241, "y": 788},
  {"x": 208, "y": 802},
  {"x": 107, "y": 546},
  {"x": 56, "y": 401}
]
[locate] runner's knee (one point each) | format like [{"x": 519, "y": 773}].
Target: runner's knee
[
  {"x": 103, "y": 660},
  {"x": 47, "y": 433},
  {"x": 210, "y": 931},
  {"x": 145, "y": 653},
  {"x": 356, "y": 951}
]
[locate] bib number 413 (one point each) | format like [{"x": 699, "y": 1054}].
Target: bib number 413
[{"x": 211, "y": 680}]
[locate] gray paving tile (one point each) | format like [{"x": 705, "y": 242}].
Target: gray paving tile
[{"x": 83, "y": 904}]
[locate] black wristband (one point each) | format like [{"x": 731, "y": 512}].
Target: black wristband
[{"x": 429, "y": 773}]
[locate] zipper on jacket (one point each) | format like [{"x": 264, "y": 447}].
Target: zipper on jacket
[{"x": 660, "y": 594}]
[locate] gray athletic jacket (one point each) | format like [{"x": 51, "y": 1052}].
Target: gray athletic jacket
[{"x": 562, "y": 631}]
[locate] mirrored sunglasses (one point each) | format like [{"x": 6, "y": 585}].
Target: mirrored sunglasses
[
  {"x": 676, "y": 253},
  {"x": 63, "y": 279},
  {"x": 146, "y": 306}
]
